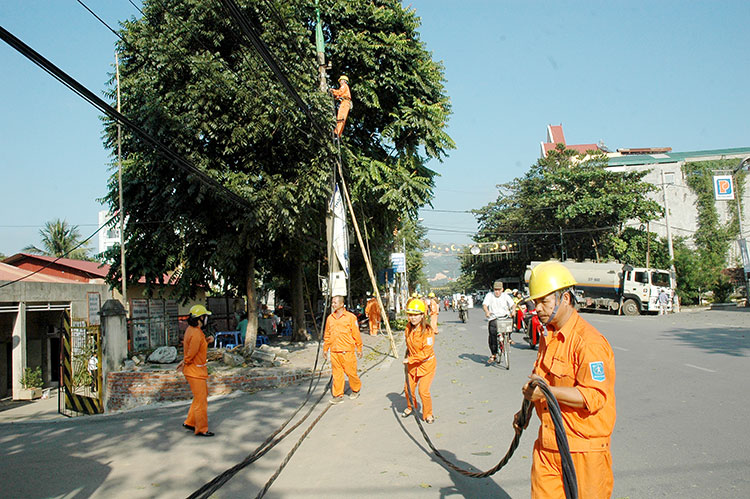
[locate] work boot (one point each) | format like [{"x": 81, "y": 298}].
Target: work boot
[
  {"x": 336, "y": 400},
  {"x": 354, "y": 395}
]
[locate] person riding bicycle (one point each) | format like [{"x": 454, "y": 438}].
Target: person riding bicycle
[{"x": 498, "y": 305}]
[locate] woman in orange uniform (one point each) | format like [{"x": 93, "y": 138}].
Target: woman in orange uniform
[
  {"x": 420, "y": 359},
  {"x": 193, "y": 366}
]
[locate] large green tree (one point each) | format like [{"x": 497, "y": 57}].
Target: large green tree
[
  {"x": 568, "y": 205},
  {"x": 190, "y": 79}
]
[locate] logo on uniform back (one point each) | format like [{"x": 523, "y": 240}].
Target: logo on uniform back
[{"x": 597, "y": 371}]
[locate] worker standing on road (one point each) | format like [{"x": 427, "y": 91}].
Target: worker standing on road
[
  {"x": 344, "y": 96},
  {"x": 194, "y": 368},
  {"x": 434, "y": 308},
  {"x": 372, "y": 311},
  {"x": 342, "y": 339},
  {"x": 497, "y": 305},
  {"x": 420, "y": 359},
  {"x": 578, "y": 364}
]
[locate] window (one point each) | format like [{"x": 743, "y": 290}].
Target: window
[
  {"x": 660, "y": 279},
  {"x": 669, "y": 178},
  {"x": 641, "y": 277}
]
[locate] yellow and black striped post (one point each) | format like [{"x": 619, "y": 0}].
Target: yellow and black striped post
[{"x": 74, "y": 401}]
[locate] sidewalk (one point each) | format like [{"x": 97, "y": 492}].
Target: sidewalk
[{"x": 14, "y": 411}]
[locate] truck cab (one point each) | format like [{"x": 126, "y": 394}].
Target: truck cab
[{"x": 641, "y": 288}]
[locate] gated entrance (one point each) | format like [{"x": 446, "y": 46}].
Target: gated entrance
[{"x": 80, "y": 391}]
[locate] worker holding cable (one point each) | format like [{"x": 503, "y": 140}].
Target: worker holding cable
[
  {"x": 419, "y": 360},
  {"x": 342, "y": 340},
  {"x": 578, "y": 364}
]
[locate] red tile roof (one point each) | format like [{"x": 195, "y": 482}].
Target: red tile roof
[{"x": 555, "y": 134}]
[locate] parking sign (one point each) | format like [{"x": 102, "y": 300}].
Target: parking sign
[{"x": 723, "y": 187}]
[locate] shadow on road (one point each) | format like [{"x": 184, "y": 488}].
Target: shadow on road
[
  {"x": 729, "y": 341},
  {"x": 462, "y": 485}
]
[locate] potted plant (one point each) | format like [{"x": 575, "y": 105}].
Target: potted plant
[{"x": 32, "y": 384}]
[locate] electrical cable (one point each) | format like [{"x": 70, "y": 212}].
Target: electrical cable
[
  {"x": 569, "y": 474},
  {"x": 101, "y": 20},
  {"x": 97, "y": 102},
  {"x": 62, "y": 256}
]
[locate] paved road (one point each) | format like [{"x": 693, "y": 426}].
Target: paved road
[{"x": 681, "y": 388}]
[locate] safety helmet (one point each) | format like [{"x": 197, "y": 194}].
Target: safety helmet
[
  {"x": 431, "y": 295},
  {"x": 198, "y": 310},
  {"x": 415, "y": 306},
  {"x": 547, "y": 278},
  {"x": 344, "y": 77},
  {"x": 414, "y": 295}
]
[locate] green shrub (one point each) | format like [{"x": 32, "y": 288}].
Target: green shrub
[{"x": 32, "y": 378}]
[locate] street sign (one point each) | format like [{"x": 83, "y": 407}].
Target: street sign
[
  {"x": 723, "y": 187},
  {"x": 398, "y": 262}
]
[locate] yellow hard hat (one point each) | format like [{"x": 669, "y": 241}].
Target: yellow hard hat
[
  {"x": 549, "y": 277},
  {"x": 415, "y": 306},
  {"x": 414, "y": 294},
  {"x": 198, "y": 310},
  {"x": 431, "y": 295},
  {"x": 344, "y": 77}
]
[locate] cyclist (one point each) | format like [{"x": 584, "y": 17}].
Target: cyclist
[{"x": 497, "y": 305}]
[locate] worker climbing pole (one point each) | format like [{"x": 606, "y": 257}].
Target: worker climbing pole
[{"x": 344, "y": 96}]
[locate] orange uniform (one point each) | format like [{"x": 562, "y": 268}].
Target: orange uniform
[
  {"x": 343, "y": 340},
  {"x": 420, "y": 355},
  {"x": 577, "y": 356},
  {"x": 344, "y": 96},
  {"x": 434, "y": 309},
  {"x": 196, "y": 373},
  {"x": 372, "y": 310}
]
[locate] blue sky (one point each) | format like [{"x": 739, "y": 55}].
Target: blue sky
[{"x": 632, "y": 74}]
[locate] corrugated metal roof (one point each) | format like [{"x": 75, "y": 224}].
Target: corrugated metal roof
[
  {"x": 674, "y": 157},
  {"x": 11, "y": 273}
]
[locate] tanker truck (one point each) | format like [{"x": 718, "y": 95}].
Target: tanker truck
[{"x": 616, "y": 287}]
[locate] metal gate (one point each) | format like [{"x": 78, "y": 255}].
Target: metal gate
[{"x": 81, "y": 368}]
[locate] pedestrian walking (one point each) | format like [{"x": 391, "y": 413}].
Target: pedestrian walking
[
  {"x": 578, "y": 364},
  {"x": 341, "y": 342},
  {"x": 663, "y": 301},
  {"x": 420, "y": 360},
  {"x": 194, "y": 368},
  {"x": 372, "y": 310},
  {"x": 497, "y": 305},
  {"x": 434, "y": 309}
]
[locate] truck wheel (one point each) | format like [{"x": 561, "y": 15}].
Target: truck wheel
[{"x": 630, "y": 307}]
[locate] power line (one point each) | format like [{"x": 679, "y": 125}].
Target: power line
[
  {"x": 101, "y": 20},
  {"x": 97, "y": 102}
]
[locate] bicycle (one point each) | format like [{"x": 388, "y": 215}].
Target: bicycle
[{"x": 502, "y": 326}]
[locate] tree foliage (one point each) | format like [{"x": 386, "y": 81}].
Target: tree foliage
[
  {"x": 189, "y": 79},
  {"x": 568, "y": 205},
  {"x": 61, "y": 239}
]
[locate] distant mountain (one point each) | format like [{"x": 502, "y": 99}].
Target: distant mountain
[{"x": 441, "y": 268}]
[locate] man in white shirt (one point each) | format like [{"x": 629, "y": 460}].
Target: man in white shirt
[{"x": 497, "y": 305}]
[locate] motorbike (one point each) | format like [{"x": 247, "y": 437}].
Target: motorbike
[
  {"x": 532, "y": 328},
  {"x": 462, "y": 314}
]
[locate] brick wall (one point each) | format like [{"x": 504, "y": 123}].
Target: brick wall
[{"x": 129, "y": 389}]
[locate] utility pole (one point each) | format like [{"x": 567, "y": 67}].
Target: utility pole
[
  {"x": 669, "y": 229},
  {"x": 119, "y": 181},
  {"x": 648, "y": 245},
  {"x": 744, "y": 165},
  {"x": 320, "y": 48}
]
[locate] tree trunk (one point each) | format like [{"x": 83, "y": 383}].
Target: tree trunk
[
  {"x": 299, "y": 332},
  {"x": 252, "y": 305},
  {"x": 596, "y": 249}
]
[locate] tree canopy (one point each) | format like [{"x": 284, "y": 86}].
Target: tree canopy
[
  {"x": 567, "y": 205},
  {"x": 190, "y": 79}
]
